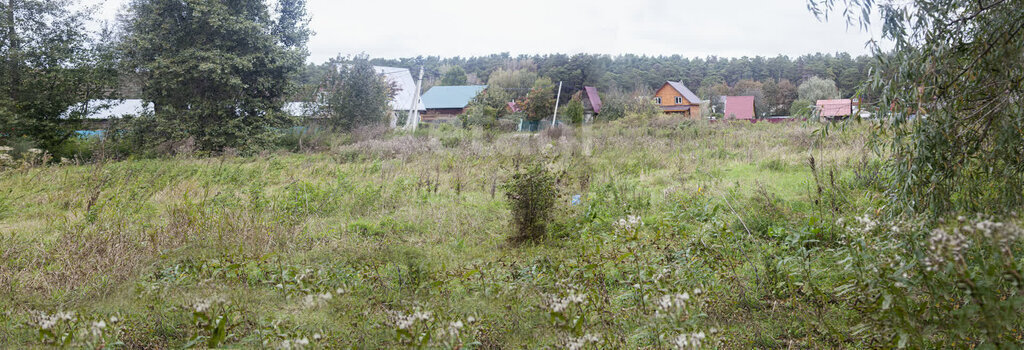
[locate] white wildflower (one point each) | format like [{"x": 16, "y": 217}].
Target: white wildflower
[
  {"x": 454, "y": 328},
  {"x": 581, "y": 342},
  {"x": 97, "y": 327}
]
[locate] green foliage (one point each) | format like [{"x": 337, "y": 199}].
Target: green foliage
[
  {"x": 49, "y": 65},
  {"x": 540, "y": 102},
  {"x": 573, "y": 111},
  {"x": 216, "y": 71},
  {"x": 532, "y": 195},
  {"x": 801, "y": 108},
  {"x": 816, "y": 88},
  {"x": 355, "y": 95},
  {"x": 629, "y": 72},
  {"x": 618, "y": 105},
  {"x": 935, "y": 288},
  {"x": 454, "y": 76},
  {"x": 950, "y": 102}
]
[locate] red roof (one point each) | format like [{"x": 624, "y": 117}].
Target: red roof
[
  {"x": 595, "y": 100},
  {"x": 739, "y": 107},
  {"x": 835, "y": 108}
]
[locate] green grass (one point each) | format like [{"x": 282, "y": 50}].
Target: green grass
[{"x": 408, "y": 223}]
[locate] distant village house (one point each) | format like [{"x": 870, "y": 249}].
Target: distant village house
[
  {"x": 445, "y": 103},
  {"x": 675, "y": 98},
  {"x": 591, "y": 103},
  {"x": 834, "y": 109},
  {"x": 739, "y": 107}
]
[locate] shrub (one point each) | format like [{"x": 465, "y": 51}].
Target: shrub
[
  {"x": 532, "y": 194},
  {"x": 573, "y": 112},
  {"x": 800, "y": 108}
]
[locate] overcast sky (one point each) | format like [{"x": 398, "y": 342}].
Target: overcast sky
[{"x": 730, "y": 28}]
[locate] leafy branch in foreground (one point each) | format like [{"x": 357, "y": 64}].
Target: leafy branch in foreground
[{"x": 950, "y": 100}]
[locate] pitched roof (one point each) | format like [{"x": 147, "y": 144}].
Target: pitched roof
[
  {"x": 108, "y": 109},
  {"x": 446, "y": 97},
  {"x": 595, "y": 99},
  {"x": 404, "y": 83},
  {"x": 835, "y": 108},
  {"x": 739, "y": 107},
  {"x": 689, "y": 95}
]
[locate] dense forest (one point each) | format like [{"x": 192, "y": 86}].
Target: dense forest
[{"x": 637, "y": 72}]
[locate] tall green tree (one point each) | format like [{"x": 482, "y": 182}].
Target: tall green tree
[
  {"x": 454, "y": 76},
  {"x": 816, "y": 88},
  {"x": 49, "y": 65},
  {"x": 540, "y": 102},
  {"x": 217, "y": 71},
  {"x": 355, "y": 95},
  {"x": 951, "y": 100}
]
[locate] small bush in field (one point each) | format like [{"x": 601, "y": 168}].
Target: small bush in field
[{"x": 532, "y": 194}]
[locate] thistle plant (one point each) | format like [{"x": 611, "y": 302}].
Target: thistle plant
[
  {"x": 215, "y": 320},
  {"x": 924, "y": 286},
  {"x": 678, "y": 319},
  {"x": 421, "y": 329},
  {"x": 69, "y": 330},
  {"x": 568, "y": 313},
  {"x": 277, "y": 334}
]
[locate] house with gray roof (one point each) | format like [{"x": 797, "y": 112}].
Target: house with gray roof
[{"x": 674, "y": 98}]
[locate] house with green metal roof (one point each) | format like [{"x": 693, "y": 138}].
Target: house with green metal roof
[{"x": 444, "y": 103}]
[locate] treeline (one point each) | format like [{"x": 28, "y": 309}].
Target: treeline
[
  {"x": 217, "y": 73},
  {"x": 772, "y": 80},
  {"x": 631, "y": 72}
]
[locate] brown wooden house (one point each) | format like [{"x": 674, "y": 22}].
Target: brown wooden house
[{"x": 674, "y": 97}]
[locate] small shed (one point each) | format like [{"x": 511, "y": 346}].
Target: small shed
[
  {"x": 739, "y": 107},
  {"x": 834, "y": 109},
  {"x": 591, "y": 103}
]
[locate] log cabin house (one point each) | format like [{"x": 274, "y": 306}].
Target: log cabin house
[{"x": 675, "y": 98}]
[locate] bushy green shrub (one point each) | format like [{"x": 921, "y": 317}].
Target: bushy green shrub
[
  {"x": 927, "y": 287},
  {"x": 800, "y": 108},
  {"x": 573, "y": 112},
  {"x": 532, "y": 195}
]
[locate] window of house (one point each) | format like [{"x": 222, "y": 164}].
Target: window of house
[
  {"x": 657, "y": 100},
  {"x": 679, "y": 100}
]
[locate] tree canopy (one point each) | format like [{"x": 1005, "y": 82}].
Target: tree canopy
[
  {"x": 49, "y": 65},
  {"x": 951, "y": 95},
  {"x": 216, "y": 71}
]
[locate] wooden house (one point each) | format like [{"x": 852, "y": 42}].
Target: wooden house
[{"x": 675, "y": 98}]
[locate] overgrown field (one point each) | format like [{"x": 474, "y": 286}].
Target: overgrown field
[{"x": 730, "y": 235}]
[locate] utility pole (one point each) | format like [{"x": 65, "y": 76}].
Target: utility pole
[
  {"x": 14, "y": 52},
  {"x": 554, "y": 118},
  {"x": 413, "y": 120}
]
